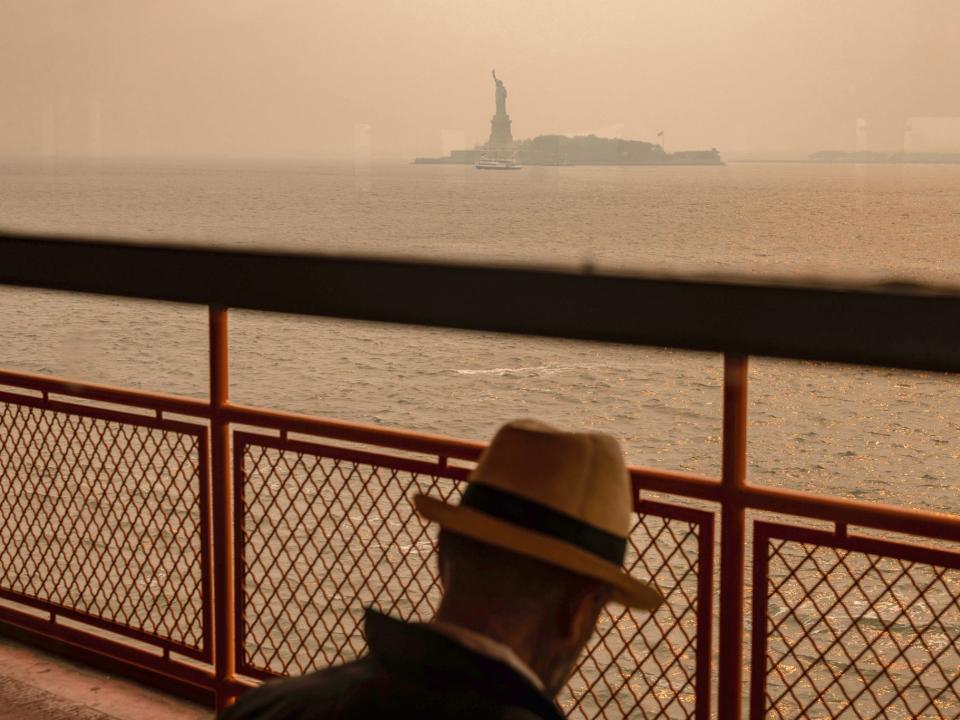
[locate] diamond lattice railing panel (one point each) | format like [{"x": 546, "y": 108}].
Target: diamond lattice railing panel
[
  {"x": 324, "y": 538},
  {"x": 102, "y": 517},
  {"x": 641, "y": 664},
  {"x": 851, "y": 634}
]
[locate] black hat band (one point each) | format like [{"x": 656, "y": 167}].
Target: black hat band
[{"x": 532, "y": 515}]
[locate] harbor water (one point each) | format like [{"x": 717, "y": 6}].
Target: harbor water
[
  {"x": 873, "y": 434},
  {"x": 866, "y": 433}
]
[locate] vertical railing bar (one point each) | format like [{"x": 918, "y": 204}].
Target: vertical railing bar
[
  {"x": 702, "y": 685},
  {"x": 239, "y": 555},
  {"x": 206, "y": 540},
  {"x": 732, "y": 537},
  {"x": 224, "y": 638},
  {"x": 758, "y": 650}
]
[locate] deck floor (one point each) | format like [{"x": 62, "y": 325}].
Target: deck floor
[{"x": 35, "y": 686}]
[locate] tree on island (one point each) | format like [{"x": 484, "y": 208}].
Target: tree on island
[{"x": 560, "y": 149}]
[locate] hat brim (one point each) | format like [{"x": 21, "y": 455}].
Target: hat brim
[{"x": 627, "y": 590}]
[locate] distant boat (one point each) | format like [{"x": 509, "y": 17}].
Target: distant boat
[{"x": 488, "y": 163}]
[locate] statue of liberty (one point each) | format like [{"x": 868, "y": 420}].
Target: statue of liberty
[
  {"x": 501, "y": 95},
  {"x": 500, "y": 136}
]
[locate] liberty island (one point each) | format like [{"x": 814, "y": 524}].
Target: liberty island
[{"x": 565, "y": 150}]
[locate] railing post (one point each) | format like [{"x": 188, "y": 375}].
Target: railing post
[
  {"x": 732, "y": 540},
  {"x": 223, "y": 561}
]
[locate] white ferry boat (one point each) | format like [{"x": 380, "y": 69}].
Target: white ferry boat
[{"x": 489, "y": 163}]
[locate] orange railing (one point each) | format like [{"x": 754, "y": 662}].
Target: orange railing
[
  {"x": 109, "y": 502},
  {"x": 206, "y": 544}
]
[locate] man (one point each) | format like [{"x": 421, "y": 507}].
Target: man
[{"x": 527, "y": 560}]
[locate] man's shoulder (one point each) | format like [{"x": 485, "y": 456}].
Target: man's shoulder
[
  {"x": 363, "y": 689},
  {"x": 410, "y": 672},
  {"x": 318, "y": 695}
]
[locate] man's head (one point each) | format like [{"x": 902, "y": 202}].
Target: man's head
[
  {"x": 544, "y": 613},
  {"x": 536, "y": 545}
]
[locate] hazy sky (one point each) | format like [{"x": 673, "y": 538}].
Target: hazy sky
[{"x": 302, "y": 77}]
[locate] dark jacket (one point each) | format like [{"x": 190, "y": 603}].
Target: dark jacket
[{"x": 410, "y": 672}]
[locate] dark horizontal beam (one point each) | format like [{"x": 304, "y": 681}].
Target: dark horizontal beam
[{"x": 898, "y": 325}]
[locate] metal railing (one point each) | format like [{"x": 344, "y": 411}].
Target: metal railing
[{"x": 207, "y": 542}]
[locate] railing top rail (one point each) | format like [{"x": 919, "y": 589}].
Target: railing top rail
[
  {"x": 408, "y": 440},
  {"x": 895, "y": 325},
  {"x": 425, "y": 443},
  {"x": 143, "y": 399}
]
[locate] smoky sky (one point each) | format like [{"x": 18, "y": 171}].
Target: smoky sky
[{"x": 397, "y": 78}]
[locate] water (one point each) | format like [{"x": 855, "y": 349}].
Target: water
[
  {"x": 866, "y": 433},
  {"x": 873, "y": 434}
]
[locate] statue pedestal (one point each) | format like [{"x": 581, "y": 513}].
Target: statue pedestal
[{"x": 500, "y": 135}]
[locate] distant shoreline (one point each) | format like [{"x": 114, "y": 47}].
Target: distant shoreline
[
  {"x": 845, "y": 157},
  {"x": 807, "y": 161}
]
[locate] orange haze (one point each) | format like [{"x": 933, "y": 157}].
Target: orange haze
[{"x": 300, "y": 78}]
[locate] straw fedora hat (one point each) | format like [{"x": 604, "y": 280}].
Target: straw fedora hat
[{"x": 562, "y": 498}]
